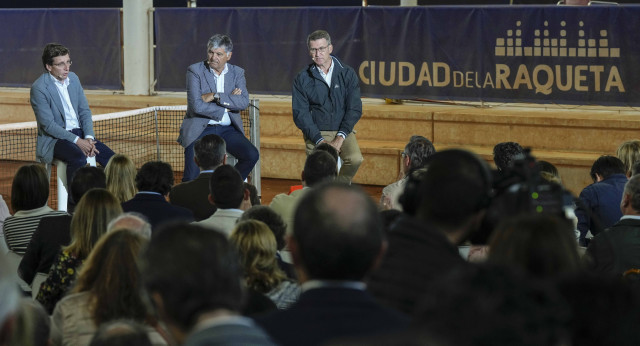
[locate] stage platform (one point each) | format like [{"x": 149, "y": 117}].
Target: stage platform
[{"x": 570, "y": 137}]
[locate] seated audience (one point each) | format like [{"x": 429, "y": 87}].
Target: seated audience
[
  {"x": 193, "y": 278},
  {"x": 318, "y": 167},
  {"x": 629, "y": 153},
  {"x": 541, "y": 245},
  {"x": 278, "y": 227},
  {"x": 505, "y": 153},
  {"x": 53, "y": 232},
  {"x": 107, "y": 288},
  {"x": 334, "y": 245},
  {"x": 615, "y": 250},
  {"x": 154, "y": 181},
  {"x": 450, "y": 201},
  {"x": 414, "y": 157},
  {"x": 257, "y": 248},
  {"x": 210, "y": 152},
  {"x": 121, "y": 177},
  {"x": 324, "y": 146},
  {"x": 94, "y": 211},
  {"x": 121, "y": 333},
  {"x": 29, "y": 195},
  {"x": 600, "y": 201},
  {"x": 227, "y": 193}
]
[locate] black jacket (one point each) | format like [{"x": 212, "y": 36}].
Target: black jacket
[{"x": 615, "y": 250}]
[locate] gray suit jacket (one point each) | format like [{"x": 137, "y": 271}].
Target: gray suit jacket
[
  {"x": 47, "y": 106},
  {"x": 200, "y": 81}
]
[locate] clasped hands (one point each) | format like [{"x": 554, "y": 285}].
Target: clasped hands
[
  {"x": 210, "y": 97},
  {"x": 88, "y": 146},
  {"x": 336, "y": 142}
]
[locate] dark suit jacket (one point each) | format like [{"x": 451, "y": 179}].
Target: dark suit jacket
[
  {"x": 52, "y": 233},
  {"x": 156, "y": 209},
  {"x": 200, "y": 81},
  {"x": 194, "y": 195},
  {"x": 324, "y": 314},
  {"x": 615, "y": 250},
  {"x": 47, "y": 106}
]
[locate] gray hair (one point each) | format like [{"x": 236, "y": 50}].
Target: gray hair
[
  {"x": 318, "y": 35},
  {"x": 220, "y": 41},
  {"x": 132, "y": 221},
  {"x": 632, "y": 188}
]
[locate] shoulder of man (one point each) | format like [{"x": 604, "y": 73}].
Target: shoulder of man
[
  {"x": 235, "y": 68},
  {"x": 41, "y": 81}
]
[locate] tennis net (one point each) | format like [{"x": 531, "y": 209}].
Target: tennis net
[{"x": 144, "y": 135}]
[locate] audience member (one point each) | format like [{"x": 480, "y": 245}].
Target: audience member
[
  {"x": 635, "y": 169},
  {"x": 10, "y": 300},
  {"x": 414, "y": 157},
  {"x": 227, "y": 193},
  {"x": 615, "y": 250},
  {"x": 107, "y": 288},
  {"x": 154, "y": 181},
  {"x": 53, "y": 232},
  {"x": 121, "y": 177},
  {"x": 257, "y": 248},
  {"x": 629, "y": 153},
  {"x": 324, "y": 146},
  {"x": 600, "y": 201},
  {"x": 451, "y": 199},
  {"x": 497, "y": 306},
  {"x": 254, "y": 198},
  {"x": 121, "y": 333},
  {"x": 334, "y": 245},
  {"x": 210, "y": 152},
  {"x": 549, "y": 172},
  {"x": 32, "y": 325},
  {"x": 541, "y": 245},
  {"x": 131, "y": 221},
  {"x": 94, "y": 211},
  {"x": 319, "y": 166},
  {"x": 505, "y": 153},
  {"x": 389, "y": 217},
  {"x": 4, "y": 211},
  {"x": 278, "y": 227},
  {"x": 29, "y": 195},
  {"x": 193, "y": 277}
]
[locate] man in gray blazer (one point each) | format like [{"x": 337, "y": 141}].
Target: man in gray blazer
[
  {"x": 65, "y": 127},
  {"x": 216, "y": 93}
]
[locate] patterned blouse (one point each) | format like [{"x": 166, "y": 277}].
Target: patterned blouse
[{"x": 61, "y": 276}]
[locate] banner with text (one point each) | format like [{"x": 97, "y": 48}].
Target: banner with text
[{"x": 541, "y": 54}]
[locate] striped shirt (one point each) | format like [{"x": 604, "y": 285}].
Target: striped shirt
[{"x": 19, "y": 228}]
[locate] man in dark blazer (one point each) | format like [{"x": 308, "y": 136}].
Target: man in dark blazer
[
  {"x": 210, "y": 153},
  {"x": 216, "y": 93},
  {"x": 333, "y": 247},
  {"x": 154, "y": 181},
  {"x": 65, "y": 127}
]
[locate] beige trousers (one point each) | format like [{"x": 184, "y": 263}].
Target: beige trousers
[{"x": 349, "y": 153}]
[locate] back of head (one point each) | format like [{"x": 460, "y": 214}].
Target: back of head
[
  {"x": 254, "y": 199},
  {"x": 30, "y": 188},
  {"x": 320, "y": 166},
  {"x": 606, "y": 166},
  {"x": 32, "y": 324},
  {"x": 256, "y": 246},
  {"x": 271, "y": 218},
  {"x": 543, "y": 245},
  {"x": 418, "y": 150},
  {"x": 324, "y": 146},
  {"x": 121, "y": 175},
  {"x": 194, "y": 270},
  {"x": 132, "y": 221},
  {"x": 546, "y": 166},
  {"x": 632, "y": 188},
  {"x": 111, "y": 276},
  {"x": 505, "y": 153},
  {"x": 155, "y": 176},
  {"x": 89, "y": 222},
  {"x": 226, "y": 187},
  {"x": 629, "y": 153},
  {"x": 121, "y": 333},
  {"x": 455, "y": 186},
  {"x": 209, "y": 151},
  {"x": 490, "y": 305},
  {"x": 85, "y": 179},
  {"x": 338, "y": 232}
]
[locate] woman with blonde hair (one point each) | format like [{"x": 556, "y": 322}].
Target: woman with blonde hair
[
  {"x": 89, "y": 222},
  {"x": 257, "y": 248},
  {"x": 121, "y": 175},
  {"x": 107, "y": 289},
  {"x": 629, "y": 153}
]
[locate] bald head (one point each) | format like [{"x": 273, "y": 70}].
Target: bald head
[{"x": 131, "y": 221}]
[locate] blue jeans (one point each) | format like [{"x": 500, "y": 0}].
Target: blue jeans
[{"x": 237, "y": 145}]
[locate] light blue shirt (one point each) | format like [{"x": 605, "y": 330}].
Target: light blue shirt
[
  {"x": 225, "y": 121},
  {"x": 70, "y": 117}
]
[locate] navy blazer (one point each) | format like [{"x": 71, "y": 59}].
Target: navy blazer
[
  {"x": 156, "y": 209},
  {"x": 324, "y": 314},
  {"x": 200, "y": 80},
  {"x": 47, "y": 106},
  {"x": 194, "y": 195}
]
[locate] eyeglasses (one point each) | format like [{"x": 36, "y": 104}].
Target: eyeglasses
[
  {"x": 63, "y": 64},
  {"x": 318, "y": 50}
]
